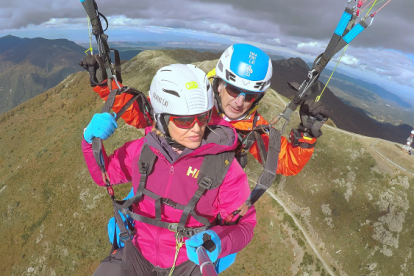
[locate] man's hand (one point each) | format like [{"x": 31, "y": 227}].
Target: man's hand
[
  {"x": 313, "y": 115},
  {"x": 96, "y": 72}
]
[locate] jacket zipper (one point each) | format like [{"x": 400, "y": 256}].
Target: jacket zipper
[{"x": 165, "y": 193}]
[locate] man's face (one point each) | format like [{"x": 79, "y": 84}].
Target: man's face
[{"x": 233, "y": 105}]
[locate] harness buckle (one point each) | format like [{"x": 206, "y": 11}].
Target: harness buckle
[
  {"x": 125, "y": 236},
  {"x": 206, "y": 183},
  {"x": 143, "y": 168},
  {"x": 169, "y": 202},
  {"x": 173, "y": 227}
]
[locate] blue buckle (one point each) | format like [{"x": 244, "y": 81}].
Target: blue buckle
[{"x": 125, "y": 236}]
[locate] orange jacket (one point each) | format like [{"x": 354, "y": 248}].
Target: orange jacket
[{"x": 291, "y": 159}]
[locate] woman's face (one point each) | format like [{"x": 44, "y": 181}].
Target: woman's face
[{"x": 190, "y": 138}]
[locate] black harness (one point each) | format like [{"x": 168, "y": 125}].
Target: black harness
[{"x": 211, "y": 174}]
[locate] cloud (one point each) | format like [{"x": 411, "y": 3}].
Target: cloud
[
  {"x": 254, "y": 20},
  {"x": 391, "y": 64},
  {"x": 350, "y": 60},
  {"x": 302, "y": 25},
  {"x": 312, "y": 47}
]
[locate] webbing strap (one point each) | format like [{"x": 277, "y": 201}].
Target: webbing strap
[
  {"x": 126, "y": 106},
  {"x": 145, "y": 163},
  {"x": 175, "y": 205},
  {"x": 185, "y": 232},
  {"x": 191, "y": 205},
  {"x": 125, "y": 234},
  {"x": 158, "y": 209},
  {"x": 212, "y": 173},
  {"x": 261, "y": 147},
  {"x": 97, "y": 142},
  {"x": 269, "y": 173},
  {"x": 117, "y": 65},
  {"x": 343, "y": 22}
]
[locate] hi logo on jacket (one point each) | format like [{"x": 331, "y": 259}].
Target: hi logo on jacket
[{"x": 194, "y": 172}]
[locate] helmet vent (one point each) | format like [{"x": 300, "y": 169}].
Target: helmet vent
[
  {"x": 166, "y": 70},
  {"x": 220, "y": 66},
  {"x": 172, "y": 92},
  {"x": 230, "y": 76}
]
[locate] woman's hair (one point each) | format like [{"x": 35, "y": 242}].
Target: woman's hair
[{"x": 156, "y": 131}]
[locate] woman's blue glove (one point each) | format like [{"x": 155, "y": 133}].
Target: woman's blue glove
[
  {"x": 198, "y": 240},
  {"x": 102, "y": 126}
]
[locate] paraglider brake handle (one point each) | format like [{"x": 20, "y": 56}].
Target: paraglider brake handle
[{"x": 208, "y": 243}]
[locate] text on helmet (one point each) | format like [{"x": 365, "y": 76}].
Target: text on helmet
[
  {"x": 160, "y": 100},
  {"x": 191, "y": 85}
]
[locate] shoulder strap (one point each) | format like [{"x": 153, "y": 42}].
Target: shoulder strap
[
  {"x": 145, "y": 163},
  {"x": 215, "y": 167},
  {"x": 213, "y": 170}
]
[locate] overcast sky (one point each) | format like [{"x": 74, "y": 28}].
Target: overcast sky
[{"x": 386, "y": 48}]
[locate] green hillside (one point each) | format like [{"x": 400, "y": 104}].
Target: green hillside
[
  {"x": 349, "y": 203},
  {"x": 29, "y": 67}
]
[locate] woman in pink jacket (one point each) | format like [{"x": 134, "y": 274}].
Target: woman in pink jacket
[{"x": 177, "y": 202}]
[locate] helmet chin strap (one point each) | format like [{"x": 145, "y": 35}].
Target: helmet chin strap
[{"x": 174, "y": 143}]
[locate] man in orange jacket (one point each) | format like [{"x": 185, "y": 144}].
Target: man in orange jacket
[{"x": 240, "y": 80}]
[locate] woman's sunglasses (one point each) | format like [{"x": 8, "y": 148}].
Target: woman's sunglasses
[
  {"x": 234, "y": 92},
  {"x": 187, "y": 122}
]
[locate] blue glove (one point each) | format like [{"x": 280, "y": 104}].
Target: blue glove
[
  {"x": 197, "y": 240},
  {"x": 102, "y": 126}
]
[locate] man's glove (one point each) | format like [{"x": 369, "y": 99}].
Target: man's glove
[
  {"x": 102, "y": 126},
  {"x": 313, "y": 115},
  {"x": 94, "y": 66},
  {"x": 211, "y": 242}
]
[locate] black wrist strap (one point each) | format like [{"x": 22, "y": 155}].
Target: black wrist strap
[{"x": 295, "y": 136}]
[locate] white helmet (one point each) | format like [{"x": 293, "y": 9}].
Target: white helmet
[
  {"x": 412, "y": 131},
  {"x": 179, "y": 89},
  {"x": 246, "y": 67}
]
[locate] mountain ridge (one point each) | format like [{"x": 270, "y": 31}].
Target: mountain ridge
[{"x": 29, "y": 67}]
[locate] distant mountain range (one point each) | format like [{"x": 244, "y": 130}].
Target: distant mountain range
[
  {"x": 29, "y": 67},
  {"x": 361, "y": 89}
]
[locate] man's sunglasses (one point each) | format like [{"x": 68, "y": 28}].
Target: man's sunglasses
[
  {"x": 187, "y": 122},
  {"x": 235, "y": 92}
]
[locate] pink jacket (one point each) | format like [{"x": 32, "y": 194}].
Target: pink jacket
[{"x": 176, "y": 179}]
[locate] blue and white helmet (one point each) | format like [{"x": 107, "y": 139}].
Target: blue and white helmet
[{"x": 246, "y": 67}]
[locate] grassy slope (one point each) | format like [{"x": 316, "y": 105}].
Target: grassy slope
[{"x": 53, "y": 216}]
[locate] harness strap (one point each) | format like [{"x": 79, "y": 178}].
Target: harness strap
[
  {"x": 117, "y": 65},
  {"x": 211, "y": 174},
  {"x": 269, "y": 173},
  {"x": 261, "y": 147},
  {"x": 267, "y": 176},
  {"x": 175, "y": 205},
  {"x": 158, "y": 209},
  {"x": 97, "y": 142},
  {"x": 183, "y": 232},
  {"x": 146, "y": 164},
  {"x": 205, "y": 184}
]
